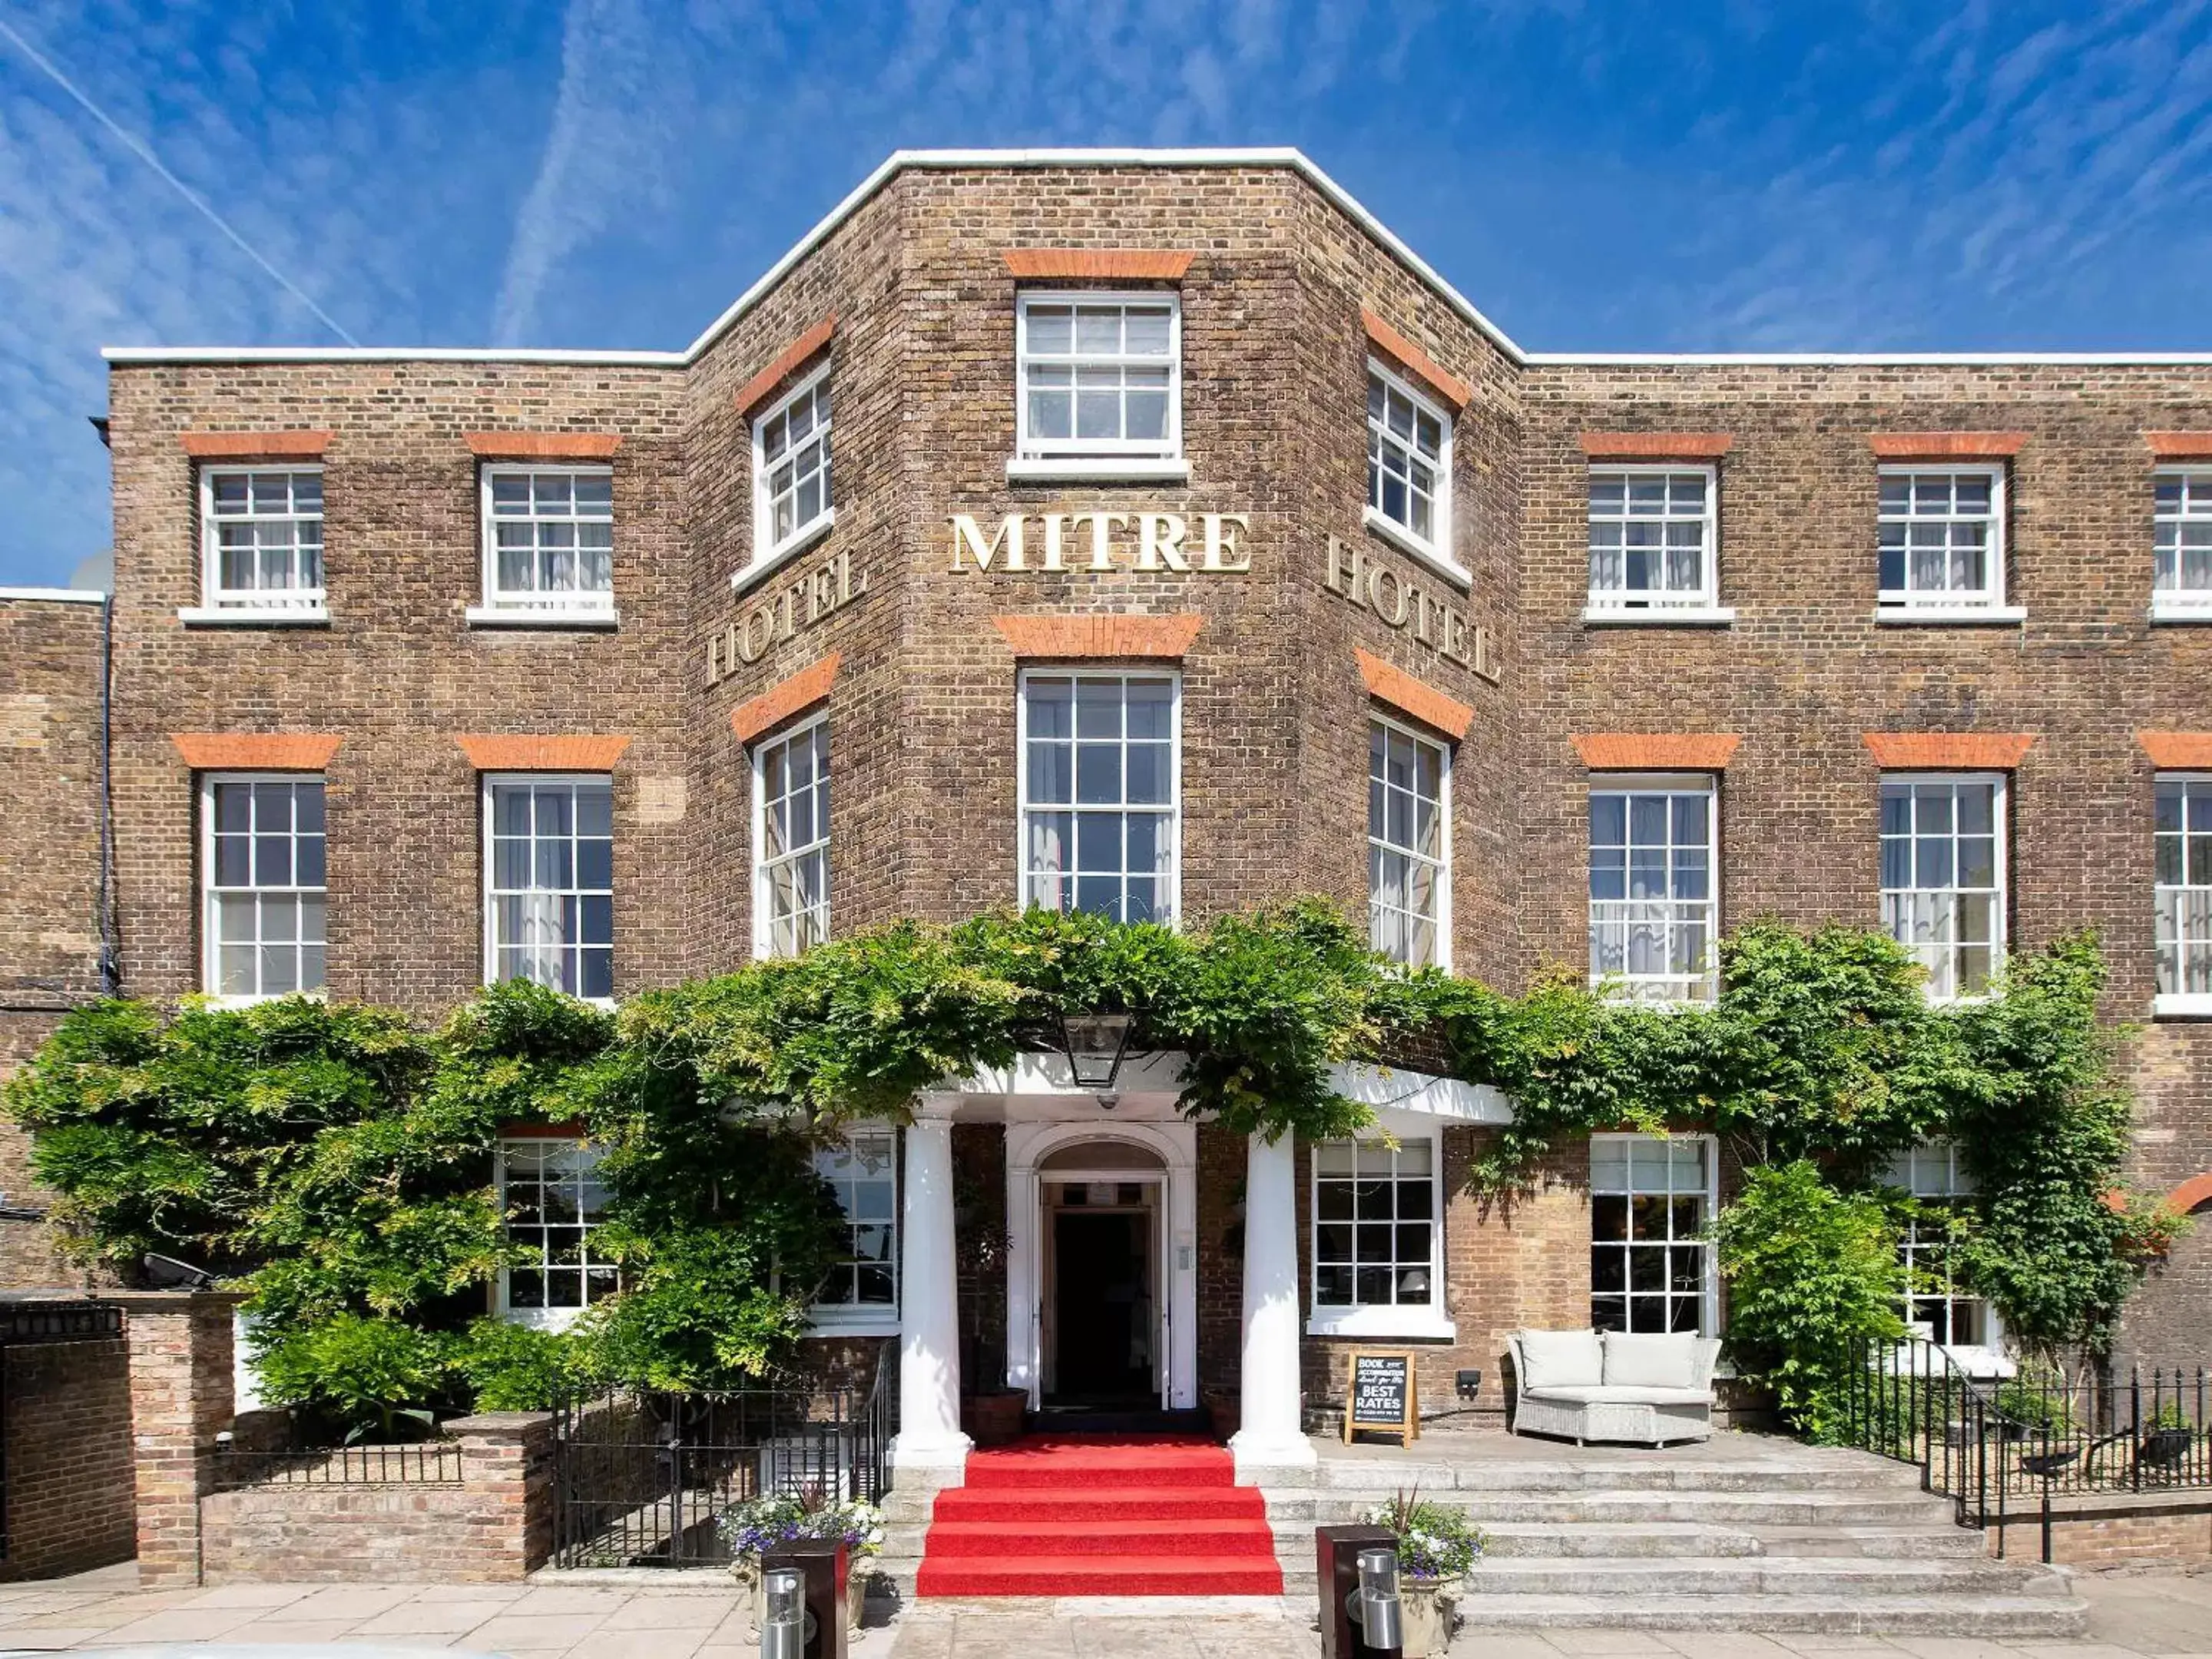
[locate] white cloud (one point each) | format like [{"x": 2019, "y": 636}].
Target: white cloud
[{"x": 605, "y": 149}]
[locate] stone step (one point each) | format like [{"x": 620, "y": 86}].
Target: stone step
[
  {"x": 1902, "y": 1507},
  {"x": 1816, "y": 1469},
  {"x": 1759, "y": 1575},
  {"x": 1932, "y": 1540},
  {"x": 1625, "y": 1540},
  {"x": 1548, "y": 1541},
  {"x": 2054, "y": 1617}
]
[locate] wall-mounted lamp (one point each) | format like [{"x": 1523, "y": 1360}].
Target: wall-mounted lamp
[{"x": 1095, "y": 1045}]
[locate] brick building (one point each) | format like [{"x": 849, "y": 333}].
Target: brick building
[{"x": 1191, "y": 544}]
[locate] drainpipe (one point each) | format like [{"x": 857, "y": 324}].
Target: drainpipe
[{"x": 111, "y": 951}]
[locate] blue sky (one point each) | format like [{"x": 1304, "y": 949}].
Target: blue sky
[{"x": 1595, "y": 174}]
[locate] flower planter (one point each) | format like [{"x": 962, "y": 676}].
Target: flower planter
[
  {"x": 858, "y": 1569},
  {"x": 1224, "y": 1410},
  {"x": 993, "y": 1418},
  {"x": 1428, "y": 1608}
]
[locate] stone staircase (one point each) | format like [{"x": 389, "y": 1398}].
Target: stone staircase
[
  {"x": 1747, "y": 1533},
  {"x": 1795, "y": 1538}
]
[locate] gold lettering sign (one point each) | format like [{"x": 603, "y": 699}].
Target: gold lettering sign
[
  {"x": 1408, "y": 606},
  {"x": 785, "y": 611},
  {"x": 1176, "y": 543}
]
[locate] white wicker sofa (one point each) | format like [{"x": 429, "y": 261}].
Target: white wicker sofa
[{"x": 1585, "y": 1385}]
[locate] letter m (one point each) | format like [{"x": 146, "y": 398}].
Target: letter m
[{"x": 967, "y": 537}]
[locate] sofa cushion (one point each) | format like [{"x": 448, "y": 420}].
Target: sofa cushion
[
  {"x": 1620, "y": 1394},
  {"x": 1651, "y": 1361},
  {"x": 1559, "y": 1359}
]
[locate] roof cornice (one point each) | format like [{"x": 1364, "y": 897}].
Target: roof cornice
[{"x": 1295, "y": 161}]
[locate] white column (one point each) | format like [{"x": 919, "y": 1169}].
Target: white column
[
  {"x": 929, "y": 1437},
  {"x": 1268, "y": 1435}
]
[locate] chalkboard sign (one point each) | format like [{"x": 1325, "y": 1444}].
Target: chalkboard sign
[{"x": 1379, "y": 1397}]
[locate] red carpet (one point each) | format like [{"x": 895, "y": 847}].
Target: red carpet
[{"x": 1100, "y": 1515}]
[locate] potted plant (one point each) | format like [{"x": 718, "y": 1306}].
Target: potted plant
[
  {"x": 761, "y": 1524},
  {"x": 1437, "y": 1544},
  {"x": 991, "y": 1413}
]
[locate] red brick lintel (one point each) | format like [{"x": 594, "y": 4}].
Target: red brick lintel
[
  {"x": 1657, "y": 751},
  {"x": 256, "y": 751},
  {"x": 1947, "y": 752},
  {"x": 2177, "y": 752},
  {"x": 1077, "y": 637},
  {"x": 255, "y": 445},
  {"x": 1656, "y": 446},
  {"x": 2196, "y": 1190},
  {"x": 1945, "y": 445},
  {"x": 1445, "y": 384},
  {"x": 1386, "y": 683},
  {"x": 754, "y": 391},
  {"x": 1122, "y": 263},
  {"x": 568, "y": 751},
  {"x": 784, "y": 698},
  {"x": 544, "y": 446},
  {"x": 2180, "y": 446}
]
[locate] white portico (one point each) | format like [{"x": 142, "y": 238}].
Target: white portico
[{"x": 1103, "y": 1249}]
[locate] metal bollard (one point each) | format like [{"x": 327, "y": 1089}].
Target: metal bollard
[
  {"x": 783, "y": 1626},
  {"x": 1382, "y": 1626}
]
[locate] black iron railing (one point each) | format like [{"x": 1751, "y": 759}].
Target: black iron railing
[
  {"x": 640, "y": 1477},
  {"x": 2003, "y": 1448},
  {"x": 295, "y": 1459}
]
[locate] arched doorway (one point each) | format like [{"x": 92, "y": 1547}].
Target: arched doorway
[
  {"x": 1102, "y": 1206},
  {"x": 1101, "y": 1282}
]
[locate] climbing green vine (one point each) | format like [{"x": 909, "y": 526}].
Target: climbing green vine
[{"x": 338, "y": 1162}]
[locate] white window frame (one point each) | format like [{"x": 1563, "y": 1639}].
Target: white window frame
[
  {"x": 764, "y": 866},
  {"x": 546, "y": 1318},
  {"x": 1983, "y": 1358},
  {"x": 576, "y": 607},
  {"x": 1412, "y": 1321},
  {"x": 1631, "y": 604},
  {"x": 210, "y": 941},
  {"x": 1173, "y": 816},
  {"x": 487, "y": 784},
  {"x": 1443, "y": 863},
  {"x": 1641, "y": 987},
  {"x": 2001, "y": 818},
  {"x": 868, "y": 1318},
  {"x": 1709, "y": 1275},
  {"x": 1106, "y": 457},
  {"x": 1984, "y": 603},
  {"x": 2171, "y": 602},
  {"x": 218, "y": 603},
  {"x": 1436, "y": 551},
  {"x": 2178, "y": 1002},
  {"x": 768, "y": 551}
]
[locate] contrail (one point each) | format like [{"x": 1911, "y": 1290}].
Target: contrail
[{"x": 147, "y": 156}]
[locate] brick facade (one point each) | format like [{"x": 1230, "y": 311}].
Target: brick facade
[
  {"x": 71, "y": 1503},
  {"x": 50, "y": 945},
  {"x": 910, "y": 301}
]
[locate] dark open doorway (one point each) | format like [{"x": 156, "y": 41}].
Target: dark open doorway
[{"x": 1102, "y": 1285}]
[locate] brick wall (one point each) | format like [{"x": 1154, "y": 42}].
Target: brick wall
[
  {"x": 49, "y": 871},
  {"x": 1805, "y": 670},
  {"x": 71, "y": 1500},
  {"x": 2117, "y": 1530},
  {"x": 493, "y": 1525}
]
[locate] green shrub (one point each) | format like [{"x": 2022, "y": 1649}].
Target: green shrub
[
  {"x": 363, "y": 1374},
  {"x": 1813, "y": 1277},
  {"x": 518, "y": 1368}
]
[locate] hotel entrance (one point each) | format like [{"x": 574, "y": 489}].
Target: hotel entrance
[{"x": 1102, "y": 1325}]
